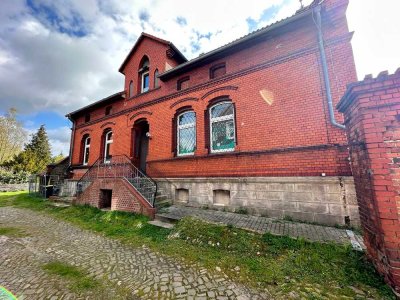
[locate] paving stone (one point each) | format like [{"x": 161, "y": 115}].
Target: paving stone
[
  {"x": 272, "y": 225},
  {"x": 139, "y": 270}
]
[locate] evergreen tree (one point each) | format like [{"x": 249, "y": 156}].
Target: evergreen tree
[{"x": 36, "y": 155}]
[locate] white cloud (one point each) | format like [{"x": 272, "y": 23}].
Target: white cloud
[
  {"x": 376, "y": 41},
  {"x": 42, "y": 67}
]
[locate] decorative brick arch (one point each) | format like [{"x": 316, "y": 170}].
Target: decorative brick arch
[
  {"x": 87, "y": 130},
  {"x": 107, "y": 124},
  {"x": 219, "y": 89},
  {"x": 140, "y": 113},
  {"x": 183, "y": 100}
]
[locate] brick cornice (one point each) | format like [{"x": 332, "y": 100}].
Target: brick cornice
[
  {"x": 369, "y": 85},
  {"x": 223, "y": 79}
]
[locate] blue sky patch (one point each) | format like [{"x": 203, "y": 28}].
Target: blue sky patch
[
  {"x": 50, "y": 118},
  {"x": 73, "y": 26}
]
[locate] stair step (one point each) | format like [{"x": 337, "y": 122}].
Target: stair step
[
  {"x": 162, "y": 224},
  {"x": 166, "y": 218}
]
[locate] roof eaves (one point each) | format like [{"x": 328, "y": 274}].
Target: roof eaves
[
  {"x": 250, "y": 36},
  {"x": 122, "y": 93}
]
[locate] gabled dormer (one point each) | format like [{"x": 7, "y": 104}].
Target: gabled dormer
[{"x": 149, "y": 57}]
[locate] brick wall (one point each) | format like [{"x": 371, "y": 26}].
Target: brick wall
[
  {"x": 372, "y": 117},
  {"x": 124, "y": 196},
  {"x": 291, "y": 136}
]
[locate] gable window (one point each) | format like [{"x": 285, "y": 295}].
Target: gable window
[
  {"x": 108, "y": 140},
  {"x": 222, "y": 127},
  {"x": 144, "y": 75},
  {"x": 108, "y": 110},
  {"x": 87, "y": 118},
  {"x": 86, "y": 150},
  {"x": 156, "y": 79},
  {"x": 183, "y": 83},
  {"x": 131, "y": 91},
  {"x": 186, "y": 134},
  {"x": 217, "y": 70}
]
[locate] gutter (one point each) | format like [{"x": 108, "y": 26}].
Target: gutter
[
  {"x": 327, "y": 82},
  {"x": 198, "y": 60}
]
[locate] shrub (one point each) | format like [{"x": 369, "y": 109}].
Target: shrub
[{"x": 7, "y": 176}]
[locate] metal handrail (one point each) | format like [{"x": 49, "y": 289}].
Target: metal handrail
[{"x": 120, "y": 166}]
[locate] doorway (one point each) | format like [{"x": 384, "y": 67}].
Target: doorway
[
  {"x": 105, "y": 198},
  {"x": 140, "y": 144}
]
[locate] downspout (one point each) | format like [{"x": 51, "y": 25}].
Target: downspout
[
  {"x": 317, "y": 11},
  {"x": 72, "y": 141}
]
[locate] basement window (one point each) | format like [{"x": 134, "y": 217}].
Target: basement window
[
  {"x": 182, "y": 195},
  {"x": 221, "y": 197}
]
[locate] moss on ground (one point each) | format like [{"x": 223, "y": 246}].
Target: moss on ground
[{"x": 283, "y": 265}]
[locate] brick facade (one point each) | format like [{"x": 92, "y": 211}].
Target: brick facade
[
  {"x": 124, "y": 196},
  {"x": 274, "y": 79},
  {"x": 372, "y": 117},
  {"x": 291, "y": 136}
]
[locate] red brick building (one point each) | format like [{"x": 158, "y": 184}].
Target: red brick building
[{"x": 248, "y": 125}]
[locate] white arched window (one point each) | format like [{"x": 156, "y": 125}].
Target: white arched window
[
  {"x": 107, "y": 146},
  {"x": 86, "y": 150},
  {"x": 222, "y": 127},
  {"x": 186, "y": 133}
]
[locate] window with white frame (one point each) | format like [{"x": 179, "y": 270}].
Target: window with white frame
[
  {"x": 86, "y": 150},
  {"x": 222, "y": 127},
  {"x": 108, "y": 140},
  {"x": 186, "y": 133},
  {"x": 145, "y": 81}
]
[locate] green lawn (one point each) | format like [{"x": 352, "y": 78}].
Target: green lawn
[{"x": 281, "y": 264}]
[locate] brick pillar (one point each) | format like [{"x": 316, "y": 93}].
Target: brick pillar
[{"x": 372, "y": 117}]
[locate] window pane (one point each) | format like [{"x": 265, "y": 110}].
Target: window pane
[
  {"x": 146, "y": 81},
  {"x": 88, "y": 141},
  {"x": 223, "y": 135},
  {"x": 86, "y": 155},
  {"x": 224, "y": 109},
  {"x": 187, "y": 118},
  {"x": 107, "y": 151},
  {"x": 187, "y": 140}
]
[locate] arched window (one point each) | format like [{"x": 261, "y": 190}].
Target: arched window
[
  {"x": 85, "y": 149},
  {"x": 144, "y": 75},
  {"x": 156, "y": 79},
  {"x": 217, "y": 70},
  {"x": 131, "y": 91},
  {"x": 222, "y": 127},
  {"x": 186, "y": 133},
  {"x": 108, "y": 140}
]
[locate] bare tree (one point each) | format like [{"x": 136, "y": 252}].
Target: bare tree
[{"x": 12, "y": 135}]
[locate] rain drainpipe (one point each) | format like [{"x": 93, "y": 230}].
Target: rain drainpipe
[
  {"x": 72, "y": 141},
  {"x": 317, "y": 11}
]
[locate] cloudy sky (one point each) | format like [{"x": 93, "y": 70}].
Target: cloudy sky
[{"x": 59, "y": 55}]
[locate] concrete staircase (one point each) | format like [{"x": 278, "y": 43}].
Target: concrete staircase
[
  {"x": 162, "y": 200},
  {"x": 62, "y": 201}
]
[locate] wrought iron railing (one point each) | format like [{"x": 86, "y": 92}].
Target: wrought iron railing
[{"x": 120, "y": 166}]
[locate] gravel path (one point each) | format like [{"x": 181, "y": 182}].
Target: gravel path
[{"x": 140, "y": 271}]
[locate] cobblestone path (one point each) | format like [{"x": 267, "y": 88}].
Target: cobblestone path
[
  {"x": 264, "y": 224},
  {"x": 144, "y": 273}
]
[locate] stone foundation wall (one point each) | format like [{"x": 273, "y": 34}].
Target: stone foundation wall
[
  {"x": 325, "y": 200},
  {"x": 13, "y": 187}
]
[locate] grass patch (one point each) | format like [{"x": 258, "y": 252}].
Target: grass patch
[
  {"x": 280, "y": 264},
  {"x": 79, "y": 281},
  {"x": 12, "y": 232}
]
